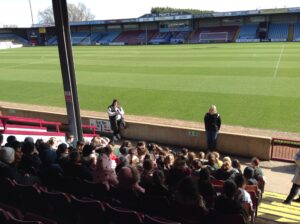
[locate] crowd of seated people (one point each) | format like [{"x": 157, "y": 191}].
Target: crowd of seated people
[{"x": 189, "y": 179}]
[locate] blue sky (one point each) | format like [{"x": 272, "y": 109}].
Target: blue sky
[{"x": 17, "y": 12}]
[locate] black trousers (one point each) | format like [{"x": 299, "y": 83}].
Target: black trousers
[
  {"x": 115, "y": 125},
  {"x": 294, "y": 191}
]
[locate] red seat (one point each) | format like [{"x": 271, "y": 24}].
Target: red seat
[
  {"x": 255, "y": 201},
  {"x": 7, "y": 192},
  {"x": 13, "y": 210},
  {"x": 155, "y": 205},
  {"x": 119, "y": 215},
  {"x": 34, "y": 217},
  {"x": 216, "y": 182},
  {"x": 157, "y": 220},
  {"x": 13, "y": 220},
  {"x": 95, "y": 190},
  {"x": 57, "y": 206},
  {"x": 4, "y": 218},
  {"x": 251, "y": 188},
  {"x": 29, "y": 197},
  {"x": 88, "y": 211},
  {"x": 228, "y": 218}
]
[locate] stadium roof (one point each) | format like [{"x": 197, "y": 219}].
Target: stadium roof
[{"x": 183, "y": 16}]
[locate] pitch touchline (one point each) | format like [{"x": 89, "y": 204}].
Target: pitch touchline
[{"x": 278, "y": 62}]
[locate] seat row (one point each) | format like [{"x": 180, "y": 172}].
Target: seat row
[{"x": 66, "y": 208}]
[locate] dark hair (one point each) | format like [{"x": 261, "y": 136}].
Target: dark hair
[
  {"x": 61, "y": 149},
  {"x": 184, "y": 151},
  {"x": 69, "y": 135},
  {"x": 188, "y": 188},
  {"x": 113, "y": 102},
  {"x": 197, "y": 164},
  {"x": 229, "y": 188},
  {"x": 10, "y": 139},
  {"x": 141, "y": 143},
  {"x": 79, "y": 143},
  {"x": 16, "y": 145},
  {"x": 44, "y": 146},
  {"x": 87, "y": 150},
  {"x": 249, "y": 172},
  {"x": 74, "y": 156},
  {"x": 239, "y": 179},
  {"x": 210, "y": 157},
  {"x": 126, "y": 143},
  {"x": 148, "y": 164},
  {"x": 151, "y": 147},
  {"x": 28, "y": 147},
  {"x": 38, "y": 143},
  {"x": 124, "y": 150},
  {"x": 204, "y": 175},
  {"x": 255, "y": 161},
  {"x": 1, "y": 139},
  {"x": 236, "y": 164},
  {"x": 179, "y": 163},
  {"x": 28, "y": 139}
]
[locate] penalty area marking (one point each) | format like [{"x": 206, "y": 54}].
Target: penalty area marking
[{"x": 278, "y": 62}]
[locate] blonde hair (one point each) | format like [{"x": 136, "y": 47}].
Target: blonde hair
[
  {"x": 213, "y": 109},
  {"x": 227, "y": 159}
]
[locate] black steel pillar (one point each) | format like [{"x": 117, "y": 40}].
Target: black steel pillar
[{"x": 67, "y": 67}]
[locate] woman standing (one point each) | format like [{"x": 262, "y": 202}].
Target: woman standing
[
  {"x": 212, "y": 121},
  {"x": 116, "y": 118}
]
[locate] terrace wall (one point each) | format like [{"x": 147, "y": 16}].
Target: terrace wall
[{"x": 229, "y": 143}]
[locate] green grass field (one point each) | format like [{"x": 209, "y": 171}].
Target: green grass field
[{"x": 253, "y": 85}]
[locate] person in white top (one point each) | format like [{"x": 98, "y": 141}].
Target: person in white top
[
  {"x": 242, "y": 195},
  {"x": 105, "y": 169},
  {"x": 116, "y": 117}
]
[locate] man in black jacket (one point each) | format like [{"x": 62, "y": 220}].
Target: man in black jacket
[{"x": 212, "y": 121}]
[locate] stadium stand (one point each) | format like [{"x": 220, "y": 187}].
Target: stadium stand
[
  {"x": 297, "y": 32},
  {"x": 79, "y": 37},
  {"x": 47, "y": 192},
  {"x": 161, "y": 38},
  {"x": 13, "y": 38},
  {"x": 129, "y": 37},
  {"x": 53, "y": 203},
  {"x": 109, "y": 37},
  {"x": 52, "y": 40},
  {"x": 248, "y": 31},
  {"x": 94, "y": 37},
  {"x": 246, "y": 26},
  {"x": 179, "y": 37},
  {"x": 134, "y": 37},
  {"x": 278, "y": 32}
]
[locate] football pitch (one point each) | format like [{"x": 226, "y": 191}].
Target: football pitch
[{"x": 253, "y": 85}]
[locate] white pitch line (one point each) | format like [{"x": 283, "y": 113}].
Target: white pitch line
[{"x": 278, "y": 62}]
